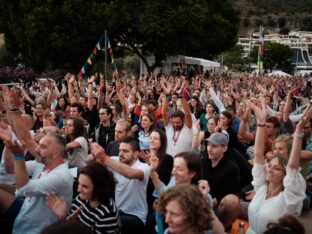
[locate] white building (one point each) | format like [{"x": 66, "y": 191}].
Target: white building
[{"x": 173, "y": 63}]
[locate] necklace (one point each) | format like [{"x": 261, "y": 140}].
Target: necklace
[{"x": 175, "y": 137}]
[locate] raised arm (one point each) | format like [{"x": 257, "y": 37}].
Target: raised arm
[
  {"x": 243, "y": 134},
  {"x": 294, "y": 159},
  {"x": 287, "y": 107},
  {"x": 100, "y": 91},
  {"x": 20, "y": 171},
  {"x": 90, "y": 92},
  {"x": 165, "y": 111},
  {"x": 116, "y": 166},
  {"x": 260, "y": 133},
  {"x": 187, "y": 112},
  {"x": 71, "y": 87}
]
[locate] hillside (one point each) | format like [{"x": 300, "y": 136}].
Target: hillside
[{"x": 280, "y": 16}]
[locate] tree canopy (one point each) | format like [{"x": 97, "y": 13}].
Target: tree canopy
[
  {"x": 56, "y": 33},
  {"x": 276, "y": 56}
]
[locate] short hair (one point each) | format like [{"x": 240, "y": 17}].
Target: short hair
[
  {"x": 60, "y": 140},
  {"x": 273, "y": 120},
  {"x": 192, "y": 203},
  {"x": 193, "y": 163},
  {"x": 126, "y": 124},
  {"x": 103, "y": 181},
  {"x": 132, "y": 141},
  {"x": 78, "y": 105},
  {"x": 178, "y": 114},
  {"x": 108, "y": 110}
]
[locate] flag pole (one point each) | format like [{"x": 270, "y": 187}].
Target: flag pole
[{"x": 105, "y": 47}]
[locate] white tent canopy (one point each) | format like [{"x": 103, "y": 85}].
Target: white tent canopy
[{"x": 280, "y": 74}]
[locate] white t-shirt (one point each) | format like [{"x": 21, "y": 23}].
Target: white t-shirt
[
  {"x": 130, "y": 194},
  {"x": 179, "y": 141},
  {"x": 77, "y": 157}
]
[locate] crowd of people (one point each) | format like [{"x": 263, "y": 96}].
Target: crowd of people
[{"x": 155, "y": 154}]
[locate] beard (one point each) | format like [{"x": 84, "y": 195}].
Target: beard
[{"x": 177, "y": 128}]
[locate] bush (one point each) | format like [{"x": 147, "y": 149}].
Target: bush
[{"x": 16, "y": 75}]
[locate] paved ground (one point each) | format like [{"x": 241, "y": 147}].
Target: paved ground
[{"x": 306, "y": 219}]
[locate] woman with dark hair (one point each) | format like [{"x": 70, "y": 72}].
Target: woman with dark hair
[
  {"x": 60, "y": 110},
  {"x": 148, "y": 123},
  {"x": 77, "y": 145},
  {"x": 158, "y": 147},
  {"x": 211, "y": 110},
  {"x": 38, "y": 115},
  {"x": 196, "y": 107},
  {"x": 94, "y": 206},
  {"x": 185, "y": 210},
  {"x": 225, "y": 124}
]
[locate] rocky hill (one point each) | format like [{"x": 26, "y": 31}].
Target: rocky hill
[{"x": 280, "y": 16}]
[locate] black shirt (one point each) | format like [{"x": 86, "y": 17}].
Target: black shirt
[
  {"x": 223, "y": 179},
  {"x": 113, "y": 148}
]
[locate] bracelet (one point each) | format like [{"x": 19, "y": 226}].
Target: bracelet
[
  {"x": 89, "y": 83},
  {"x": 261, "y": 125},
  {"x": 244, "y": 119},
  {"x": 19, "y": 157},
  {"x": 104, "y": 158},
  {"x": 298, "y": 135}
]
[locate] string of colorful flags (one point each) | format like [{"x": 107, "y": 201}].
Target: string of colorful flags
[{"x": 100, "y": 45}]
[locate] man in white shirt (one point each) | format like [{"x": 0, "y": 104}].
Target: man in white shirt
[
  {"x": 132, "y": 177},
  {"x": 178, "y": 128},
  {"x": 31, "y": 215}
]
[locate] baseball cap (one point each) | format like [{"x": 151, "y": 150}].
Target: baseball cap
[{"x": 218, "y": 138}]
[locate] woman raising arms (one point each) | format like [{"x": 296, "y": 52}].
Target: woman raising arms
[{"x": 280, "y": 189}]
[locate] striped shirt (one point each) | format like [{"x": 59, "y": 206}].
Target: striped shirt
[{"x": 102, "y": 219}]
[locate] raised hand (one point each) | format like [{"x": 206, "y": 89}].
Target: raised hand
[
  {"x": 91, "y": 79},
  {"x": 71, "y": 79},
  {"x": 97, "y": 151},
  {"x": 204, "y": 187},
  {"x": 57, "y": 205},
  {"x": 260, "y": 112},
  {"x": 154, "y": 162},
  {"x": 17, "y": 147},
  {"x": 306, "y": 116},
  {"x": 5, "y": 132}
]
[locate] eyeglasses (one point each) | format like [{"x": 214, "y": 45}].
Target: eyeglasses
[{"x": 102, "y": 113}]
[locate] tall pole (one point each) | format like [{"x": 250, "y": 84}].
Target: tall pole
[{"x": 105, "y": 47}]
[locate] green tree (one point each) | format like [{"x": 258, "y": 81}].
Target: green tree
[
  {"x": 62, "y": 33},
  {"x": 233, "y": 57},
  {"x": 276, "y": 56}
]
